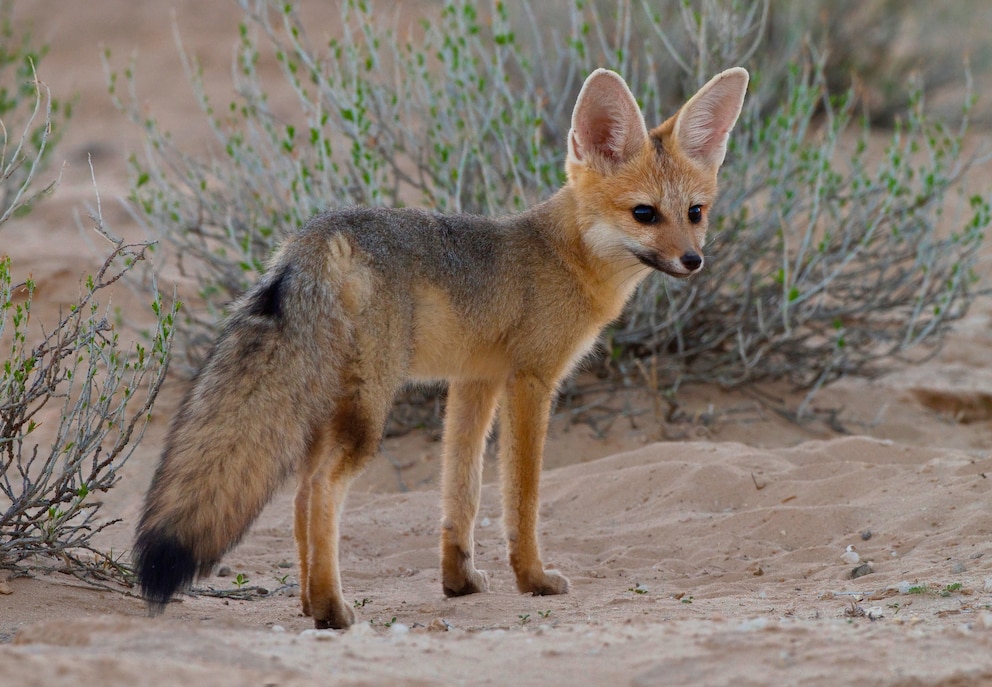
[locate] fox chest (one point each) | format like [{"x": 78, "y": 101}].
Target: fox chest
[{"x": 449, "y": 343}]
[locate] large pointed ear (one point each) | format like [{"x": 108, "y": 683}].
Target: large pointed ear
[
  {"x": 703, "y": 125},
  {"x": 607, "y": 124}
]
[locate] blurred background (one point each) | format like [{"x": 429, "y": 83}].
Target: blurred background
[{"x": 877, "y": 44}]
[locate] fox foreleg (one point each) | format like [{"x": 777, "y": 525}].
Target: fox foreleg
[
  {"x": 523, "y": 428},
  {"x": 469, "y": 416}
]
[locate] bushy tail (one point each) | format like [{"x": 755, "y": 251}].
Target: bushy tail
[{"x": 245, "y": 424}]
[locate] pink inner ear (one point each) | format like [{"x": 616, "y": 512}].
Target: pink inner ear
[
  {"x": 607, "y": 122},
  {"x": 703, "y": 135},
  {"x": 706, "y": 120},
  {"x": 605, "y": 134}
]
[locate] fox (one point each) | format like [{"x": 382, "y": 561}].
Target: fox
[{"x": 359, "y": 302}]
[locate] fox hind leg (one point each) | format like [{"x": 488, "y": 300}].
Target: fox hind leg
[
  {"x": 321, "y": 454},
  {"x": 322, "y": 597},
  {"x": 301, "y": 526},
  {"x": 523, "y": 428},
  {"x": 468, "y": 418},
  {"x": 339, "y": 454}
]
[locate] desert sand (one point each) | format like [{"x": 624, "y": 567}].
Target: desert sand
[{"x": 706, "y": 549}]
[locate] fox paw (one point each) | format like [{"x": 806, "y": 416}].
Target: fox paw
[
  {"x": 472, "y": 582},
  {"x": 338, "y": 617},
  {"x": 547, "y": 583}
]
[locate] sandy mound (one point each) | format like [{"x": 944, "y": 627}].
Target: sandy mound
[{"x": 692, "y": 563}]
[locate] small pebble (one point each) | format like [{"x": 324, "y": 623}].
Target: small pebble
[
  {"x": 224, "y": 571},
  {"x": 958, "y": 567},
  {"x": 862, "y": 570},
  {"x": 284, "y": 564},
  {"x": 865, "y": 535},
  {"x": 278, "y": 629},
  {"x": 753, "y": 624}
]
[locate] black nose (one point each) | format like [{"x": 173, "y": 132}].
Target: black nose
[{"x": 691, "y": 261}]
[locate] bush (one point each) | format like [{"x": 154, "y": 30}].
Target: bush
[
  {"x": 829, "y": 258},
  {"x": 828, "y": 254},
  {"x": 51, "y": 476},
  {"x": 40, "y": 127},
  {"x": 51, "y": 484}
]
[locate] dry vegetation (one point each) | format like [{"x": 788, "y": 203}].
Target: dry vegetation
[
  {"x": 100, "y": 389},
  {"x": 834, "y": 248}
]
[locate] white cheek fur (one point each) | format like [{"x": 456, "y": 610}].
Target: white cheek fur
[{"x": 603, "y": 240}]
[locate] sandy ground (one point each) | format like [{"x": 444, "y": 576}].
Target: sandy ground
[{"x": 703, "y": 551}]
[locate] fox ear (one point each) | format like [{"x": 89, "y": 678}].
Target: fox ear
[
  {"x": 703, "y": 125},
  {"x": 606, "y": 124}
]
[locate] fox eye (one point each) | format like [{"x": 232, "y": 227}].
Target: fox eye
[
  {"x": 696, "y": 214},
  {"x": 645, "y": 214}
]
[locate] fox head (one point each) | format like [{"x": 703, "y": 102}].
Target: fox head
[{"x": 646, "y": 195}]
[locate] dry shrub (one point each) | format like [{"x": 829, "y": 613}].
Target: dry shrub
[{"x": 832, "y": 252}]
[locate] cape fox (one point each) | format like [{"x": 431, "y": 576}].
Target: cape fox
[{"x": 360, "y": 301}]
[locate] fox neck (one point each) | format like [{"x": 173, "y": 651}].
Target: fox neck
[{"x": 607, "y": 277}]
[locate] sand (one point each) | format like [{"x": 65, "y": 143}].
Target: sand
[{"x": 708, "y": 549}]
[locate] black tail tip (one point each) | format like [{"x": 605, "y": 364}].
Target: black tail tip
[{"x": 164, "y": 566}]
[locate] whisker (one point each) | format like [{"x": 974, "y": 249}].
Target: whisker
[{"x": 635, "y": 271}]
